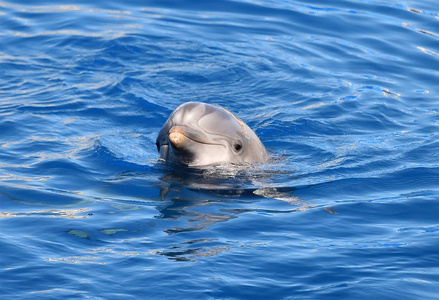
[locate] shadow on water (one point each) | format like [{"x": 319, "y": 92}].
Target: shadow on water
[
  {"x": 203, "y": 197},
  {"x": 191, "y": 201}
]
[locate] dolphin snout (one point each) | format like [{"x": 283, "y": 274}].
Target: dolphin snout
[{"x": 177, "y": 137}]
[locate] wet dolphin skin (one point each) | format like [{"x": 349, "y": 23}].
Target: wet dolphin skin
[{"x": 199, "y": 134}]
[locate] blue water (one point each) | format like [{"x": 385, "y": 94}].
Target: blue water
[{"x": 344, "y": 94}]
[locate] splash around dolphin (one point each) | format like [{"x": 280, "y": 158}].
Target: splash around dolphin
[{"x": 200, "y": 134}]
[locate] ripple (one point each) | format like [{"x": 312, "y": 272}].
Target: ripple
[
  {"x": 344, "y": 96},
  {"x": 57, "y": 213}
]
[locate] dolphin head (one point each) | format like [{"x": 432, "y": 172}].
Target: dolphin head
[{"x": 198, "y": 134}]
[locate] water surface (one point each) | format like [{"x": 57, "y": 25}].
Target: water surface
[{"x": 343, "y": 94}]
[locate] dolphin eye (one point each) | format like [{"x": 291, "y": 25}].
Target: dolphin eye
[{"x": 237, "y": 146}]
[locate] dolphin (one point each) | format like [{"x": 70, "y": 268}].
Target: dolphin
[{"x": 201, "y": 134}]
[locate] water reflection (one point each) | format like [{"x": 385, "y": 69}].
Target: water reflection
[
  {"x": 200, "y": 198},
  {"x": 187, "y": 254},
  {"x": 54, "y": 213}
]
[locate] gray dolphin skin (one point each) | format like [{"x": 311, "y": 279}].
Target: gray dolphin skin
[{"x": 200, "y": 134}]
